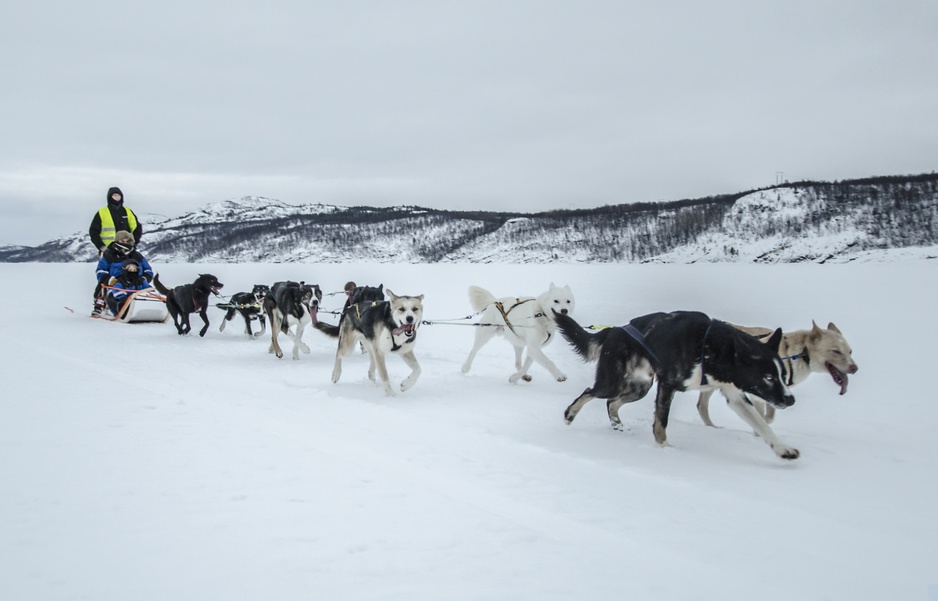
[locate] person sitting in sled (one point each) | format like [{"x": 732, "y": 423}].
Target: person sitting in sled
[
  {"x": 109, "y": 265},
  {"x": 129, "y": 281}
]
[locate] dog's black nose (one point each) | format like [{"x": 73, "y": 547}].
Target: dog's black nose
[{"x": 410, "y": 319}]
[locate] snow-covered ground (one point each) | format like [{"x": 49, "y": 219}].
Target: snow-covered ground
[{"x": 139, "y": 465}]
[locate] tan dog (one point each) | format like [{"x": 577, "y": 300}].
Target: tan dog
[{"x": 803, "y": 352}]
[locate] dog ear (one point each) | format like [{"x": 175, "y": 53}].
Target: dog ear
[
  {"x": 832, "y": 327},
  {"x": 775, "y": 340},
  {"x": 816, "y": 332},
  {"x": 391, "y": 294},
  {"x": 419, "y": 298}
]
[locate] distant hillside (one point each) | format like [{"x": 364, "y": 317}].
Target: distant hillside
[{"x": 794, "y": 222}]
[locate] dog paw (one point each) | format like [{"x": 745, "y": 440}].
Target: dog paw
[
  {"x": 787, "y": 453},
  {"x": 561, "y": 378},
  {"x": 465, "y": 368},
  {"x": 526, "y": 378}
]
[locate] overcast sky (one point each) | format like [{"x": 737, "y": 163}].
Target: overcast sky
[{"x": 503, "y": 105}]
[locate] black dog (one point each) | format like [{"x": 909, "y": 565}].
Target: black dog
[
  {"x": 291, "y": 304},
  {"x": 189, "y": 298},
  {"x": 250, "y": 306},
  {"x": 362, "y": 294},
  {"x": 355, "y": 294},
  {"x": 685, "y": 351}
]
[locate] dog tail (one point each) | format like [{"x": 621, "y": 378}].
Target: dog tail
[
  {"x": 480, "y": 298},
  {"x": 159, "y": 285},
  {"x": 585, "y": 344},
  {"x": 327, "y": 328}
]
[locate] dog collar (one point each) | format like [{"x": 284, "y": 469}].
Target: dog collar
[
  {"x": 791, "y": 369},
  {"x": 802, "y": 355}
]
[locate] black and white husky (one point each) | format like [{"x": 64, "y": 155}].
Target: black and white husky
[
  {"x": 382, "y": 327},
  {"x": 291, "y": 306},
  {"x": 803, "y": 352},
  {"x": 251, "y": 307},
  {"x": 685, "y": 351}
]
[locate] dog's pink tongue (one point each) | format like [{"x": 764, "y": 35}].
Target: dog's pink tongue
[
  {"x": 843, "y": 385},
  {"x": 314, "y": 314}
]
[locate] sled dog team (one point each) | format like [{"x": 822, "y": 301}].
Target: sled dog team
[{"x": 754, "y": 368}]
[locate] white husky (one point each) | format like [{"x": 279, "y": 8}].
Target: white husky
[
  {"x": 525, "y": 322},
  {"x": 803, "y": 352}
]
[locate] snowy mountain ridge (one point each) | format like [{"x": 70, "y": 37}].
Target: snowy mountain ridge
[{"x": 876, "y": 219}]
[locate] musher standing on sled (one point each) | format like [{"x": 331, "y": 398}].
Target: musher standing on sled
[
  {"x": 104, "y": 227},
  {"x": 111, "y": 219}
]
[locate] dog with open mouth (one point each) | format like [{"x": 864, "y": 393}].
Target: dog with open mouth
[
  {"x": 803, "y": 352},
  {"x": 183, "y": 300},
  {"x": 251, "y": 307},
  {"x": 382, "y": 327},
  {"x": 290, "y": 307},
  {"x": 682, "y": 350}
]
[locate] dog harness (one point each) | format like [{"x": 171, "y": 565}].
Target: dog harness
[
  {"x": 358, "y": 309},
  {"x": 501, "y": 309},
  {"x": 790, "y": 365},
  {"x": 637, "y": 335},
  {"x": 703, "y": 372}
]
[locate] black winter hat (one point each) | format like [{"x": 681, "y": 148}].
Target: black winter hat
[{"x": 112, "y": 191}]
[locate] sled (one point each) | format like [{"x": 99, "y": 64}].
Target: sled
[{"x": 144, "y": 306}]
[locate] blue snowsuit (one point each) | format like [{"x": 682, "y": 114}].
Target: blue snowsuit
[
  {"x": 121, "y": 291},
  {"x": 110, "y": 263}
]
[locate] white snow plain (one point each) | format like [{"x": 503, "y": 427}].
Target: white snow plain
[{"x": 138, "y": 464}]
